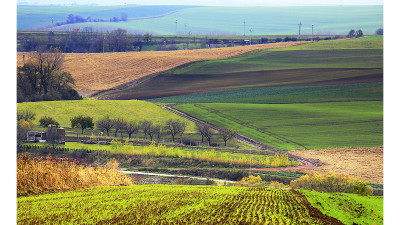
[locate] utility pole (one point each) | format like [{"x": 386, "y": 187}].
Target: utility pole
[
  {"x": 251, "y": 33},
  {"x": 299, "y": 29},
  {"x": 312, "y": 32},
  {"x": 244, "y": 27},
  {"x": 189, "y": 38}
]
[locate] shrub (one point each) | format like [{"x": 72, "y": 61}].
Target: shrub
[
  {"x": 277, "y": 185},
  {"x": 46, "y": 121},
  {"x": 332, "y": 183},
  {"x": 252, "y": 181}
]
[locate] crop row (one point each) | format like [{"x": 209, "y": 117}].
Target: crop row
[{"x": 166, "y": 205}]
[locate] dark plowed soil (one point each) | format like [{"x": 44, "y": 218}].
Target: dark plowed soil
[
  {"x": 315, "y": 213},
  {"x": 166, "y": 85}
]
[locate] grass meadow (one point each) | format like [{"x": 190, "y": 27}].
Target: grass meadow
[
  {"x": 132, "y": 110},
  {"x": 299, "y": 126},
  {"x": 348, "y": 208}
]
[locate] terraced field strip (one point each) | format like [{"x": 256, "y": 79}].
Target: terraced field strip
[
  {"x": 170, "y": 204},
  {"x": 94, "y": 72}
]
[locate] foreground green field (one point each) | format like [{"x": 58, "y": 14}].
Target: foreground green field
[
  {"x": 348, "y": 208},
  {"x": 162, "y": 204},
  {"x": 159, "y": 204},
  {"x": 299, "y": 126}
]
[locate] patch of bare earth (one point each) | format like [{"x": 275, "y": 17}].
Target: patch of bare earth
[{"x": 363, "y": 163}]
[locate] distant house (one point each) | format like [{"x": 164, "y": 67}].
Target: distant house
[
  {"x": 35, "y": 136},
  {"x": 39, "y": 136}
]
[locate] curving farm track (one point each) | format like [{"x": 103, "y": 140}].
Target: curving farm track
[{"x": 307, "y": 163}]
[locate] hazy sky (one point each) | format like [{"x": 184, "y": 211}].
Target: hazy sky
[{"x": 210, "y": 2}]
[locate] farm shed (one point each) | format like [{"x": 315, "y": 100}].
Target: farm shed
[
  {"x": 38, "y": 136},
  {"x": 35, "y": 136}
]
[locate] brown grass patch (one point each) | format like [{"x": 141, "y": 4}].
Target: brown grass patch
[
  {"x": 38, "y": 176},
  {"x": 94, "y": 73},
  {"x": 363, "y": 163}
]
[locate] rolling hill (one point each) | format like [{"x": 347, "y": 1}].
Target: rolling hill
[{"x": 213, "y": 20}]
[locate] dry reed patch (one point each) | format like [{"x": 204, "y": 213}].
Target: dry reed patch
[
  {"x": 37, "y": 176},
  {"x": 94, "y": 72},
  {"x": 362, "y": 163}
]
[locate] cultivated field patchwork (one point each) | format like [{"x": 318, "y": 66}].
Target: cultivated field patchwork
[{"x": 94, "y": 72}]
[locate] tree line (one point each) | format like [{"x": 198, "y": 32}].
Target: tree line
[
  {"x": 114, "y": 126},
  {"x": 84, "y": 40}
]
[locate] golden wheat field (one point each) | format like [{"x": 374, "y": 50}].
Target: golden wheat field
[
  {"x": 363, "y": 163},
  {"x": 94, "y": 72}
]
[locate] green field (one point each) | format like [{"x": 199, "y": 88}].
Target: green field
[
  {"x": 229, "y": 20},
  {"x": 300, "y": 94},
  {"x": 299, "y": 126},
  {"x": 366, "y": 52},
  {"x": 161, "y": 204},
  {"x": 32, "y": 16},
  {"x": 348, "y": 208},
  {"x": 63, "y": 111}
]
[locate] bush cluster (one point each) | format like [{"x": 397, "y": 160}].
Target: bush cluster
[{"x": 332, "y": 183}]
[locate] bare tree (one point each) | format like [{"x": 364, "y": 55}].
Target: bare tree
[
  {"x": 145, "y": 126},
  {"x": 131, "y": 127},
  {"x": 105, "y": 124},
  {"x": 155, "y": 131},
  {"x": 205, "y": 131},
  {"x": 52, "y": 136},
  {"x": 118, "y": 124},
  {"x": 46, "y": 65},
  {"x": 175, "y": 127},
  {"x": 228, "y": 134}
]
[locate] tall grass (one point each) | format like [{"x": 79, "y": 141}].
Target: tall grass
[{"x": 38, "y": 176}]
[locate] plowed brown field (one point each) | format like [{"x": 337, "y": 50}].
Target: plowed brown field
[
  {"x": 93, "y": 72},
  {"x": 363, "y": 163}
]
